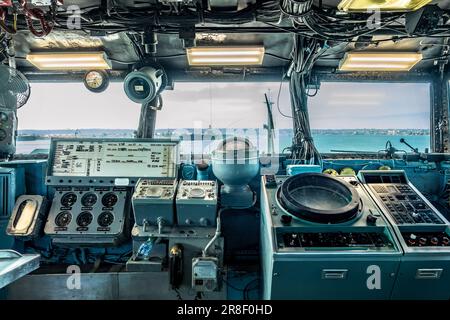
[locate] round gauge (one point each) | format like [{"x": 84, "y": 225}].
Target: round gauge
[
  {"x": 109, "y": 200},
  {"x": 68, "y": 199},
  {"x": 96, "y": 81},
  {"x": 105, "y": 219},
  {"x": 89, "y": 199},
  {"x": 3, "y": 135},
  {"x": 84, "y": 219},
  {"x": 154, "y": 192},
  {"x": 197, "y": 193},
  {"x": 3, "y": 117},
  {"x": 63, "y": 219}
]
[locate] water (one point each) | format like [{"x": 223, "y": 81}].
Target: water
[{"x": 324, "y": 142}]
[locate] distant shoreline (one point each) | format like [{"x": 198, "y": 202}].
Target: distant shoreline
[{"x": 30, "y": 135}]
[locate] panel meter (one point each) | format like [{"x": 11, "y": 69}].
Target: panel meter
[{"x": 205, "y": 273}]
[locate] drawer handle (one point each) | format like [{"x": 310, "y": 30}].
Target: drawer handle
[
  {"x": 429, "y": 273},
  {"x": 334, "y": 274}
]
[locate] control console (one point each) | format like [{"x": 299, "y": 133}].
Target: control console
[
  {"x": 153, "y": 202},
  {"x": 320, "y": 235},
  {"x": 402, "y": 203},
  {"x": 422, "y": 230},
  {"x": 196, "y": 203},
  {"x": 93, "y": 179}
]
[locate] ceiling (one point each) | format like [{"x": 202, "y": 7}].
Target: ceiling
[{"x": 222, "y": 28}]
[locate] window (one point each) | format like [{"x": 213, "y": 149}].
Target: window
[
  {"x": 344, "y": 116},
  {"x": 68, "y": 109},
  {"x": 212, "y": 111},
  {"x": 350, "y": 116}
]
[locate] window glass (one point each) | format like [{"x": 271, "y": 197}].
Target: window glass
[
  {"x": 69, "y": 109},
  {"x": 350, "y": 116}
]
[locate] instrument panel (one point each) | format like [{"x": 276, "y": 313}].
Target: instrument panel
[
  {"x": 422, "y": 231},
  {"x": 196, "y": 203},
  {"x": 153, "y": 201},
  {"x": 404, "y": 204},
  {"x": 336, "y": 240},
  {"x": 88, "y": 215},
  {"x": 110, "y": 161}
]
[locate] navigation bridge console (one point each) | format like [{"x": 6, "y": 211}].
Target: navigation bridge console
[
  {"x": 323, "y": 234},
  {"x": 93, "y": 181},
  {"x": 327, "y": 235}
]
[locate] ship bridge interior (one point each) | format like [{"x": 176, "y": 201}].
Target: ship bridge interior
[{"x": 332, "y": 184}]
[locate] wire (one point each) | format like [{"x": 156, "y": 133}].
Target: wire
[
  {"x": 305, "y": 54},
  {"x": 178, "y": 294},
  {"x": 248, "y": 289},
  {"x": 216, "y": 235},
  {"x": 279, "y": 94},
  {"x": 36, "y": 13},
  {"x": 277, "y": 57},
  {"x": 232, "y": 286},
  {"x": 245, "y": 291}
]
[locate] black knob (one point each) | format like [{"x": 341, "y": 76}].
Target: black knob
[
  {"x": 423, "y": 241},
  {"x": 286, "y": 219},
  {"x": 434, "y": 241},
  {"x": 371, "y": 219}
]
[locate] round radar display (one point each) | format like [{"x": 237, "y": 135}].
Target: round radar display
[{"x": 319, "y": 198}]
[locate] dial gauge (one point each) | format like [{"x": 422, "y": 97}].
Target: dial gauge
[{"x": 96, "y": 81}]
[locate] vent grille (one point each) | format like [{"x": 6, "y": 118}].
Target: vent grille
[{"x": 4, "y": 205}]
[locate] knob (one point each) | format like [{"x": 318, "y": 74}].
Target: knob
[
  {"x": 204, "y": 222},
  {"x": 371, "y": 219},
  {"x": 285, "y": 219},
  {"x": 423, "y": 241},
  {"x": 445, "y": 241},
  {"x": 412, "y": 239},
  {"x": 434, "y": 241},
  {"x": 188, "y": 221}
]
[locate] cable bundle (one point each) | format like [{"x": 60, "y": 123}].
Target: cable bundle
[
  {"x": 305, "y": 53},
  {"x": 296, "y": 8},
  {"x": 268, "y": 11},
  {"x": 329, "y": 25},
  {"x": 35, "y": 13},
  {"x": 3, "y": 25}
]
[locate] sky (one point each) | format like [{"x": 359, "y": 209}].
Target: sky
[{"x": 228, "y": 105}]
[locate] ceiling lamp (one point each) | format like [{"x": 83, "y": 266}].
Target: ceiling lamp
[
  {"x": 225, "y": 56},
  {"x": 70, "y": 61},
  {"x": 379, "y": 61},
  {"x": 382, "y": 5}
]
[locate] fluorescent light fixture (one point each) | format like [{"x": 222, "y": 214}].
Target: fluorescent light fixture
[
  {"x": 382, "y": 5},
  {"x": 379, "y": 61},
  {"x": 69, "y": 61},
  {"x": 225, "y": 56}
]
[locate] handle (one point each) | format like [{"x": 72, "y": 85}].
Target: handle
[
  {"x": 9, "y": 254},
  {"x": 334, "y": 274},
  {"x": 429, "y": 274}
]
